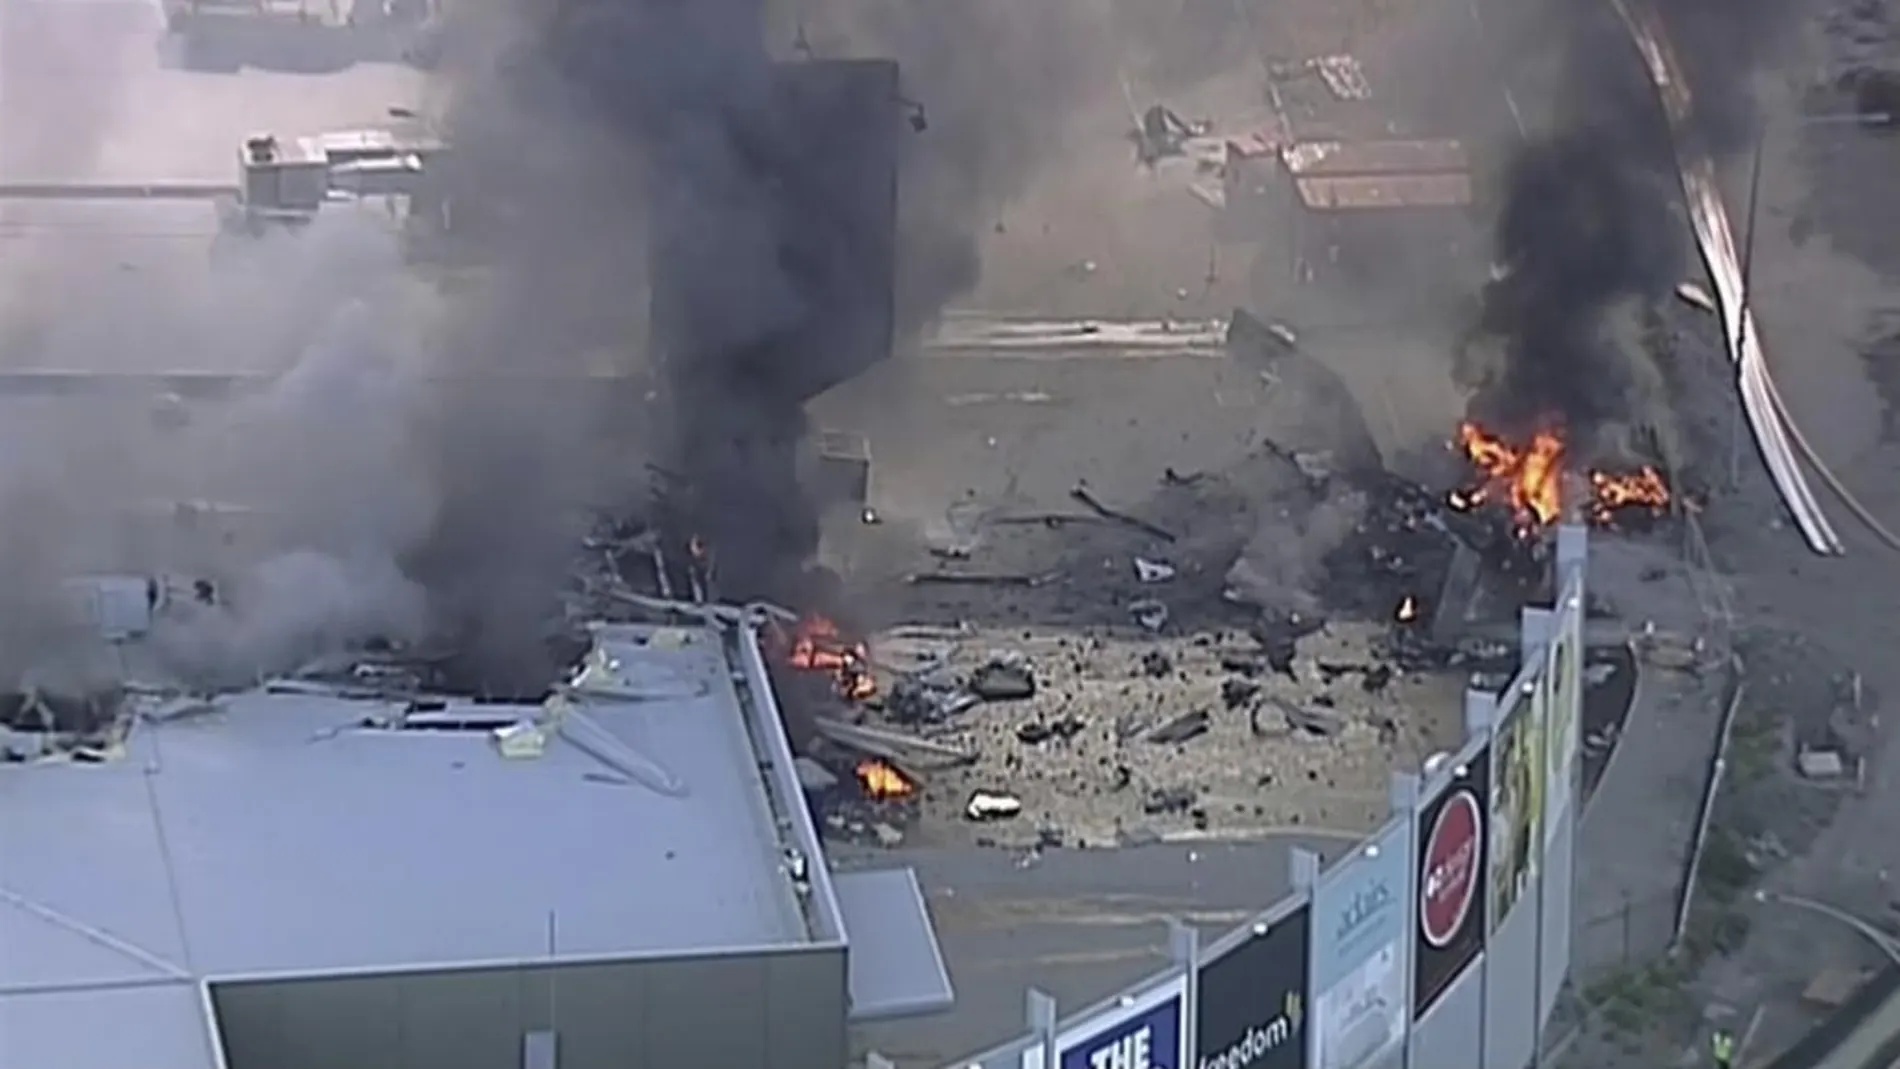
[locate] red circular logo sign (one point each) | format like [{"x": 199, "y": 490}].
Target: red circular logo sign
[{"x": 1449, "y": 883}]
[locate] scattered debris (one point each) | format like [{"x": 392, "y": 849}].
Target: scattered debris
[
  {"x": 1082, "y": 494},
  {"x": 1149, "y": 613},
  {"x": 1039, "y": 732},
  {"x": 1150, "y": 571},
  {"x": 927, "y": 700},
  {"x": 1021, "y": 579},
  {"x": 992, "y": 805},
  {"x": 1182, "y": 728},
  {"x": 1163, "y": 800},
  {"x": 1004, "y": 677},
  {"x": 1243, "y": 664},
  {"x": 1316, "y": 722},
  {"x": 1238, "y": 693},
  {"x": 1376, "y": 678},
  {"x": 1078, "y": 754}
]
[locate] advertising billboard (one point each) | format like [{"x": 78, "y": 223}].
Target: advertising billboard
[
  {"x": 1518, "y": 764},
  {"x": 1361, "y": 953},
  {"x": 1252, "y": 1000},
  {"x": 1146, "y": 1033},
  {"x": 1563, "y": 683},
  {"x": 1450, "y": 871}
]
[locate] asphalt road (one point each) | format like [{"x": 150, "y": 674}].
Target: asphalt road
[{"x": 1078, "y": 924}]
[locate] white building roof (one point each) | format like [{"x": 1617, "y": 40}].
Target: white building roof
[
  {"x": 642, "y": 829},
  {"x": 652, "y": 812}
]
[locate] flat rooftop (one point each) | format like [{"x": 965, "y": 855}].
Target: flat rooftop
[{"x": 641, "y": 829}]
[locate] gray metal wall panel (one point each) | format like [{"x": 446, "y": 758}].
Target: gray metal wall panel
[
  {"x": 740, "y": 1012},
  {"x": 1559, "y": 905},
  {"x": 1510, "y": 987},
  {"x": 695, "y": 1015},
  {"x": 805, "y": 1008},
  {"x": 599, "y": 1013},
  {"x": 473, "y": 1019},
  {"x": 1450, "y": 1035}
]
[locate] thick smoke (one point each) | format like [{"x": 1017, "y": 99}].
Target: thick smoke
[
  {"x": 669, "y": 123},
  {"x": 1580, "y": 231},
  {"x": 296, "y": 503},
  {"x": 409, "y": 473},
  {"x": 1590, "y": 225}
]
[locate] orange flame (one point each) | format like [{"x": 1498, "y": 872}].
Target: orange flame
[
  {"x": 1641, "y": 489},
  {"x": 816, "y": 646},
  {"x": 1531, "y": 477},
  {"x": 1531, "y": 480},
  {"x": 880, "y": 780}
]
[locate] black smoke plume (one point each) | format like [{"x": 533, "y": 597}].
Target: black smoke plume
[
  {"x": 1580, "y": 229},
  {"x": 670, "y": 133},
  {"x": 1590, "y": 225}
]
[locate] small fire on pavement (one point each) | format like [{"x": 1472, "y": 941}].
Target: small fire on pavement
[
  {"x": 816, "y": 645},
  {"x": 1528, "y": 480},
  {"x": 1407, "y": 611},
  {"x": 883, "y": 781}
]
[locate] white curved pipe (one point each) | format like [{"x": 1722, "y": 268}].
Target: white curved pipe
[{"x": 1716, "y": 240}]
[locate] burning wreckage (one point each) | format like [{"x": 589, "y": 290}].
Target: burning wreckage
[
  {"x": 1245, "y": 682},
  {"x": 1238, "y": 684}
]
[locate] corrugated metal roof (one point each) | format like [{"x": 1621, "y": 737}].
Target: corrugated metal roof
[
  {"x": 1396, "y": 191},
  {"x": 277, "y": 834}
]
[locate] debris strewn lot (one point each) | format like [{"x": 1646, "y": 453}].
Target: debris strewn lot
[{"x": 1126, "y": 737}]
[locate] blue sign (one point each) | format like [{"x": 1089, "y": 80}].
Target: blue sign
[
  {"x": 1362, "y": 948},
  {"x": 1147, "y": 1039},
  {"x": 1360, "y": 907}
]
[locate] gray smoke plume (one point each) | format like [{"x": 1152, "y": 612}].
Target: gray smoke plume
[
  {"x": 991, "y": 124},
  {"x": 426, "y": 456},
  {"x": 1590, "y": 226}
]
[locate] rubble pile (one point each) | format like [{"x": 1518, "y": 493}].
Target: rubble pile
[
  {"x": 1400, "y": 548},
  {"x": 1116, "y": 737}
]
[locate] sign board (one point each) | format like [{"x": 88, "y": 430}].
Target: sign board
[
  {"x": 1450, "y": 872},
  {"x": 1146, "y": 1033},
  {"x": 1518, "y": 763},
  {"x": 1562, "y": 682},
  {"x": 1362, "y": 952},
  {"x": 1252, "y": 1000}
]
